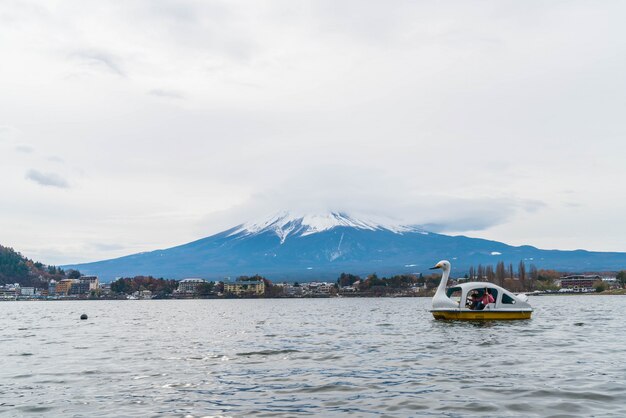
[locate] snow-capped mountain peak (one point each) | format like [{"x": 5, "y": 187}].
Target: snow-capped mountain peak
[
  {"x": 286, "y": 224},
  {"x": 357, "y": 246}
]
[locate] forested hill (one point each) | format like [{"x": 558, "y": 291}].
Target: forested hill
[{"x": 15, "y": 268}]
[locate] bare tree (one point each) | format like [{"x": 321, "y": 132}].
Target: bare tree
[
  {"x": 521, "y": 273},
  {"x": 534, "y": 275},
  {"x": 500, "y": 273}
]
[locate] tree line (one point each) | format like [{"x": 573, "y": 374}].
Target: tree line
[
  {"x": 398, "y": 281},
  {"x": 130, "y": 285},
  {"x": 526, "y": 278},
  {"x": 519, "y": 278},
  {"x": 15, "y": 268}
]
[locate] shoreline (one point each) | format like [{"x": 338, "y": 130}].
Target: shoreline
[{"x": 615, "y": 292}]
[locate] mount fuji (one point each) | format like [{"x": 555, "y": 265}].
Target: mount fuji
[{"x": 295, "y": 247}]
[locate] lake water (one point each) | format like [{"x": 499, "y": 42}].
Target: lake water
[{"x": 320, "y": 357}]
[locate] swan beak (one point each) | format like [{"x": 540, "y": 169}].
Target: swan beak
[{"x": 435, "y": 267}]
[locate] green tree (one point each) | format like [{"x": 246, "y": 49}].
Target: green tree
[
  {"x": 73, "y": 274},
  {"x": 206, "y": 289},
  {"x": 13, "y": 266},
  {"x": 600, "y": 286},
  {"x": 347, "y": 279},
  {"x": 548, "y": 275},
  {"x": 128, "y": 285},
  {"x": 621, "y": 277},
  {"x": 121, "y": 286},
  {"x": 545, "y": 285},
  {"x": 371, "y": 281},
  {"x": 401, "y": 280}
]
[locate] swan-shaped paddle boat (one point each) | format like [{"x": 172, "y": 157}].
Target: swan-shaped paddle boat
[{"x": 459, "y": 302}]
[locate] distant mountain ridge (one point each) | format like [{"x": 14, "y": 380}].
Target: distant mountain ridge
[{"x": 295, "y": 247}]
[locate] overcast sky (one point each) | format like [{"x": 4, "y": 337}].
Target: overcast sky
[{"x": 128, "y": 126}]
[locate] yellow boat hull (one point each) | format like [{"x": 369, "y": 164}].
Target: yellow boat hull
[{"x": 481, "y": 315}]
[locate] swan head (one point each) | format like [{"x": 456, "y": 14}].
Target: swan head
[{"x": 443, "y": 265}]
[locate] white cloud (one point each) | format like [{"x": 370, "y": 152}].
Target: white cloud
[
  {"x": 47, "y": 179},
  {"x": 25, "y": 149},
  {"x": 99, "y": 60},
  {"x": 375, "y": 194},
  {"x": 55, "y": 159},
  {"x": 168, "y": 94},
  {"x": 9, "y": 133}
]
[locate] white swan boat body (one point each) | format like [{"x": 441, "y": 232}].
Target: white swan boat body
[{"x": 454, "y": 302}]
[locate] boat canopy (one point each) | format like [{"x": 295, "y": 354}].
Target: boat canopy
[{"x": 462, "y": 293}]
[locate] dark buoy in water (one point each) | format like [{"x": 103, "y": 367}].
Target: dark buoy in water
[{"x": 83, "y": 316}]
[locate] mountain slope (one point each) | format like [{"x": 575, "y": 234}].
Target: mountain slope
[
  {"x": 15, "y": 268},
  {"x": 288, "y": 247}
]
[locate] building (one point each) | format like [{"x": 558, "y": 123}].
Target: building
[
  {"x": 245, "y": 287},
  {"x": 92, "y": 280},
  {"x": 63, "y": 287},
  {"x": 189, "y": 285},
  {"x": 105, "y": 288},
  {"x": 291, "y": 290},
  {"x": 579, "y": 283},
  {"x": 318, "y": 288},
  {"x": 142, "y": 294},
  {"x": 79, "y": 287},
  {"x": 8, "y": 292},
  {"x": 52, "y": 288},
  {"x": 347, "y": 289},
  {"x": 27, "y": 291}
]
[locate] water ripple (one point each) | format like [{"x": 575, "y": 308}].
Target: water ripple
[{"x": 322, "y": 357}]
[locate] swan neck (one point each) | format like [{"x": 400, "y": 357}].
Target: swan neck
[{"x": 444, "y": 282}]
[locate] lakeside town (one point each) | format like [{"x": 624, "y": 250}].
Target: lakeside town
[{"x": 82, "y": 287}]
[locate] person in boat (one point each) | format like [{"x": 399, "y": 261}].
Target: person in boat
[
  {"x": 486, "y": 299},
  {"x": 474, "y": 300}
]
